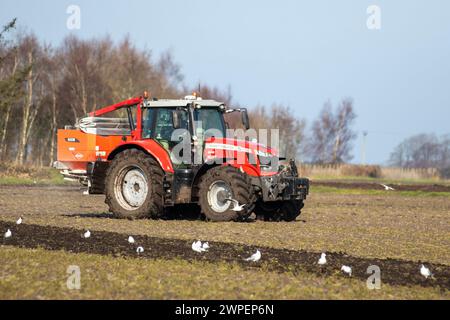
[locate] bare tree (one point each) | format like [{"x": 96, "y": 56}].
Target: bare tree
[
  {"x": 87, "y": 67},
  {"x": 345, "y": 117},
  {"x": 422, "y": 151},
  {"x": 322, "y": 136},
  {"x": 51, "y": 76},
  {"x": 445, "y": 151},
  {"x": 29, "y": 50},
  {"x": 12, "y": 77},
  {"x": 291, "y": 129},
  {"x": 332, "y": 135},
  {"x": 169, "y": 75},
  {"x": 133, "y": 72},
  {"x": 10, "y": 89}
]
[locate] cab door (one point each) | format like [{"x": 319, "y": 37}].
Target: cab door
[{"x": 158, "y": 125}]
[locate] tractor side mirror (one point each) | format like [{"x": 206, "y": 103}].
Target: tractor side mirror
[
  {"x": 245, "y": 120},
  {"x": 176, "y": 119}
]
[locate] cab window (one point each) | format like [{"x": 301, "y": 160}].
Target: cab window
[
  {"x": 157, "y": 124},
  {"x": 208, "y": 119},
  {"x": 148, "y": 116}
]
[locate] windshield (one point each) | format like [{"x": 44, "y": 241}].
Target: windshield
[{"x": 210, "y": 122}]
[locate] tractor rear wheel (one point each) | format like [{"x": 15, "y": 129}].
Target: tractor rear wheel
[
  {"x": 134, "y": 186},
  {"x": 287, "y": 210},
  {"x": 222, "y": 189}
]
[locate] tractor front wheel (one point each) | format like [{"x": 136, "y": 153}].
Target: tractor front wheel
[
  {"x": 291, "y": 209},
  {"x": 225, "y": 194},
  {"x": 134, "y": 186}
]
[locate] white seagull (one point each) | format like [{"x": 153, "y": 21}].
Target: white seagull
[
  {"x": 19, "y": 221},
  {"x": 425, "y": 272},
  {"x": 139, "y": 249},
  {"x": 237, "y": 206},
  {"x": 8, "y": 233},
  {"x": 205, "y": 245},
  {"x": 197, "y": 246},
  {"x": 87, "y": 234},
  {"x": 386, "y": 187},
  {"x": 323, "y": 259},
  {"x": 130, "y": 239},
  {"x": 347, "y": 270},
  {"x": 254, "y": 257}
]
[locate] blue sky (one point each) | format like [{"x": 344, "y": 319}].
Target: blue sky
[{"x": 300, "y": 53}]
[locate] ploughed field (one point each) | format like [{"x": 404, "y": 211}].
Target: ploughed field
[{"x": 394, "y": 230}]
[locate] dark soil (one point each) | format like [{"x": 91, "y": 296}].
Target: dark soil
[
  {"x": 394, "y": 272},
  {"x": 377, "y": 186}
]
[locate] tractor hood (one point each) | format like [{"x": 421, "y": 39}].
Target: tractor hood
[{"x": 237, "y": 146}]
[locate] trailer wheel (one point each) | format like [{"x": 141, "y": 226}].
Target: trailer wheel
[
  {"x": 134, "y": 186},
  {"x": 220, "y": 184},
  {"x": 278, "y": 210}
]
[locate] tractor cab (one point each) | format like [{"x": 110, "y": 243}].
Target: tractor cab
[{"x": 169, "y": 121}]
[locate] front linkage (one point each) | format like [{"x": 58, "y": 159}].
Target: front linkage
[{"x": 281, "y": 196}]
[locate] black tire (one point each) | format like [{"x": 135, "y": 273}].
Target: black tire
[
  {"x": 267, "y": 211},
  {"x": 153, "y": 175},
  {"x": 291, "y": 209},
  {"x": 240, "y": 187},
  {"x": 278, "y": 210}
]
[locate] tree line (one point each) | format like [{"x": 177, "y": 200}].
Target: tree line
[
  {"x": 44, "y": 87},
  {"x": 423, "y": 151}
]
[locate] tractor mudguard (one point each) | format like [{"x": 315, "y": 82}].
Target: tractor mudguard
[
  {"x": 151, "y": 147},
  {"x": 247, "y": 168}
]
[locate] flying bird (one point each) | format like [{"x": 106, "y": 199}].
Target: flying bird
[
  {"x": 322, "y": 260},
  {"x": 8, "y": 233},
  {"x": 87, "y": 234},
  {"x": 197, "y": 246},
  {"x": 237, "y": 206},
  {"x": 130, "y": 239},
  {"x": 139, "y": 249},
  {"x": 386, "y": 187},
  {"x": 19, "y": 221},
  {"x": 347, "y": 270},
  {"x": 205, "y": 245},
  {"x": 254, "y": 257},
  {"x": 425, "y": 272}
]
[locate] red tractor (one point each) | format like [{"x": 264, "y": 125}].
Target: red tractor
[{"x": 159, "y": 154}]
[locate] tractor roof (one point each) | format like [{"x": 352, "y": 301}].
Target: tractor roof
[
  {"x": 192, "y": 99},
  {"x": 182, "y": 103}
]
